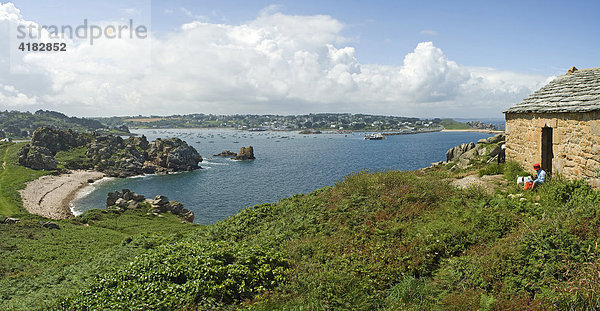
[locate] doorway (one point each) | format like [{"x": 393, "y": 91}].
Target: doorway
[{"x": 547, "y": 152}]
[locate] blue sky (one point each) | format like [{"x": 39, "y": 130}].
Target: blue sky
[
  {"x": 414, "y": 58},
  {"x": 530, "y": 36}
]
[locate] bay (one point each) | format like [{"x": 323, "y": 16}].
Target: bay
[{"x": 287, "y": 163}]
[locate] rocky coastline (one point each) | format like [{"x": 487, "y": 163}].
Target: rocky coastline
[
  {"x": 109, "y": 154},
  {"x": 126, "y": 199},
  {"x": 92, "y": 157}
]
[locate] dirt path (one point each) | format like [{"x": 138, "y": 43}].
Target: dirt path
[
  {"x": 488, "y": 182},
  {"x": 49, "y": 196},
  {"x": 4, "y": 159}
]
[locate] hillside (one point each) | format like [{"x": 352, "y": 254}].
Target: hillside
[
  {"x": 386, "y": 240},
  {"x": 16, "y": 124}
]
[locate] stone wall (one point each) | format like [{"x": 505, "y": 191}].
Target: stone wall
[{"x": 576, "y": 142}]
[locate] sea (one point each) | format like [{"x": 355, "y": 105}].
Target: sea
[{"x": 286, "y": 163}]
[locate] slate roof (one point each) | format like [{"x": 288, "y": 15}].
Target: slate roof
[{"x": 575, "y": 92}]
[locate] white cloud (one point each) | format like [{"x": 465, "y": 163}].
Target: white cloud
[
  {"x": 276, "y": 63},
  {"x": 428, "y": 32},
  {"x": 13, "y": 98},
  {"x": 131, "y": 11},
  {"x": 191, "y": 14}
]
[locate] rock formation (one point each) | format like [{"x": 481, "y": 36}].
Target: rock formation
[
  {"x": 37, "y": 158},
  {"x": 173, "y": 154},
  {"x": 485, "y": 151},
  {"x": 246, "y": 153},
  {"x": 226, "y": 153},
  {"x": 113, "y": 155},
  {"x": 56, "y": 140},
  {"x": 310, "y": 132},
  {"x": 455, "y": 152},
  {"x": 126, "y": 199},
  {"x": 482, "y": 126}
]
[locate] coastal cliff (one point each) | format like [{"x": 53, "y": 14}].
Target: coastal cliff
[{"x": 112, "y": 155}]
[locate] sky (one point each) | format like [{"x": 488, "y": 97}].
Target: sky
[{"x": 427, "y": 59}]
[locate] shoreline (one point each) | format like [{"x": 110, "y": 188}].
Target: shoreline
[
  {"x": 323, "y": 131},
  {"x": 476, "y": 130},
  {"x": 50, "y": 196}
]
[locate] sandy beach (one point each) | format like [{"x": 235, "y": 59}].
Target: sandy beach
[{"x": 49, "y": 196}]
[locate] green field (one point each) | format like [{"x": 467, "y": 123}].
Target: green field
[
  {"x": 376, "y": 240},
  {"x": 39, "y": 265},
  {"x": 13, "y": 178},
  {"x": 451, "y": 124}
]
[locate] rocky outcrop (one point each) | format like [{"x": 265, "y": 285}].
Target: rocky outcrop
[
  {"x": 10, "y": 221},
  {"x": 118, "y": 157},
  {"x": 172, "y": 155},
  {"x": 161, "y": 204},
  {"x": 246, "y": 153},
  {"x": 37, "y": 158},
  {"x": 126, "y": 195},
  {"x": 45, "y": 143},
  {"x": 310, "y": 132},
  {"x": 496, "y": 139},
  {"x": 58, "y": 140},
  {"x": 127, "y": 199},
  {"x": 49, "y": 225},
  {"x": 482, "y": 126},
  {"x": 485, "y": 151},
  {"x": 226, "y": 153},
  {"x": 455, "y": 152},
  {"x": 112, "y": 155}
]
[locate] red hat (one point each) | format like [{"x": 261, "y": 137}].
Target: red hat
[{"x": 536, "y": 166}]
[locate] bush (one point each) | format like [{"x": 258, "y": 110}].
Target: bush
[
  {"x": 185, "y": 275},
  {"x": 74, "y": 159},
  {"x": 491, "y": 169},
  {"x": 412, "y": 293},
  {"x": 513, "y": 169}
]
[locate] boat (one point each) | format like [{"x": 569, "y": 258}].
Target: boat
[{"x": 377, "y": 136}]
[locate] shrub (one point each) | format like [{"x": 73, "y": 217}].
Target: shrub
[
  {"x": 412, "y": 293},
  {"x": 513, "y": 169},
  {"x": 491, "y": 169},
  {"x": 185, "y": 275}
]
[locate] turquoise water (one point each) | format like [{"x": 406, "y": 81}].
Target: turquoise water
[{"x": 286, "y": 163}]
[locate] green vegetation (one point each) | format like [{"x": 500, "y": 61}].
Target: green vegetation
[
  {"x": 39, "y": 265},
  {"x": 451, "y": 124},
  {"x": 13, "y": 178},
  {"x": 512, "y": 170},
  {"x": 393, "y": 240},
  {"x": 186, "y": 275},
  {"x": 74, "y": 159},
  {"x": 16, "y": 124},
  {"x": 386, "y": 240}
]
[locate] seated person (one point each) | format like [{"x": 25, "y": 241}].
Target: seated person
[{"x": 540, "y": 176}]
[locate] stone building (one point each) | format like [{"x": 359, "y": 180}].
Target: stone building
[{"x": 558, "y": 126}]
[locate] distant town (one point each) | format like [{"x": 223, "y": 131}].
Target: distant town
[
  {"x": 317, "y": 121},
  {"x": 16, "y": 124}
]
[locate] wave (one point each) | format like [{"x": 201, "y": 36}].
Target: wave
[
  {"x": 85, "y": 191},
  {"x": 212, "y": 163},
  {"x": 142, "y": 176}
]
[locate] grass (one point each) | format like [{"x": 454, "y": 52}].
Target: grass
[
  {"x": 451, "y": 124},
  {"x": 13, "y": 178},
  {"x": 38, "y": 265},
  {"x": 385, "y": 240},
  {"x": 75, "y": 158}
]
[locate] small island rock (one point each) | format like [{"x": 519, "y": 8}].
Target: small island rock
[
  {"x": 226, "y": 153},
  {"x": 246, "y": 153}
]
